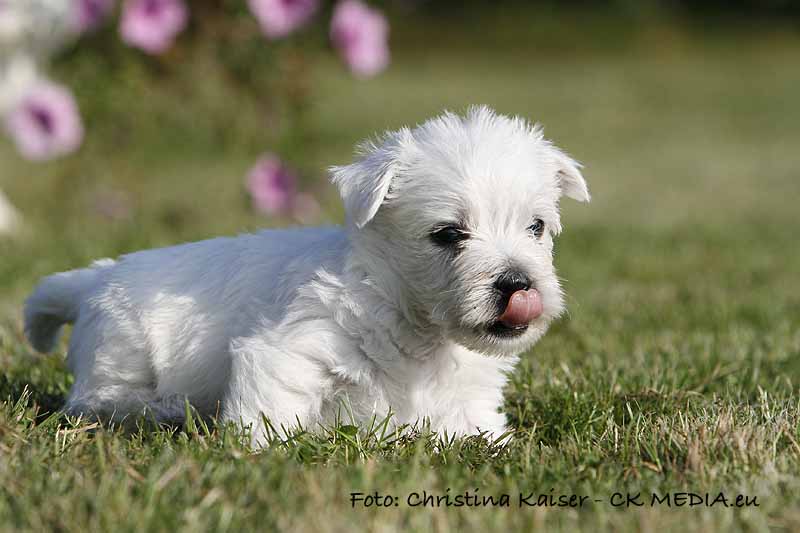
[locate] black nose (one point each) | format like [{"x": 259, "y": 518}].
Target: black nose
[{"x": 510, "y": 282}]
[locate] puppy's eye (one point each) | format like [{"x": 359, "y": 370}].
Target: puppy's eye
[
  {"x": 537, "y": 228},
  {"x": 449, "y": 235}
]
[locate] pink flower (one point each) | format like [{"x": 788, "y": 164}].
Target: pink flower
[
  {"x": 45, "y": 123},
  {"x": 279, "y": 18},
  {"x": 152, "y": 25},
  {"x": 88, "y": 15},
  {"x": 271, "y": 185},
  {"x": 361, "y": 35}
]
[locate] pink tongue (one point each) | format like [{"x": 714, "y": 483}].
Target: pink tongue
[{"x": 523, "y": 307}]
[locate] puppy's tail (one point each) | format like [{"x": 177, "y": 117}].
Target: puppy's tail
[{"x": 56, "y": 301}]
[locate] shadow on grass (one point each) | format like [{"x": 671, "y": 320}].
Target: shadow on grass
[{"x": 48, "y": 398}]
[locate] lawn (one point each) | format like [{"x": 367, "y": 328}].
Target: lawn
[{"x": 675, "y": 371}]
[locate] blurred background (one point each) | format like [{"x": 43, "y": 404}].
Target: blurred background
[
  {"x": 132, "y": 124},
  {"x": 202, "y": 118}
]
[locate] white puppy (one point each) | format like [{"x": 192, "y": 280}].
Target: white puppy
[{"x": 442, "y": 276}]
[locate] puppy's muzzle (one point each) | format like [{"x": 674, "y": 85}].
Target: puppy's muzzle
[{"x": 519, "y": 304}]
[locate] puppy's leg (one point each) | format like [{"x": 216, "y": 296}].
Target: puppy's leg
[
  {"x": 110, "y": 403},
  {"x": 280, "y": 384},
  {"x": 114, "y": 379},
  {"x": 478, "y": 386},
  {"x": 488, "y": 419}
]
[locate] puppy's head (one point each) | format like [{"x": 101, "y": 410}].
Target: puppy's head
[{"x": 455, "y": 221}]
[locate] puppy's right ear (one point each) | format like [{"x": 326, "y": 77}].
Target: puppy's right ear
[
  {"x": 570, "y": 177},
  {"x": 363, "y": 185}
]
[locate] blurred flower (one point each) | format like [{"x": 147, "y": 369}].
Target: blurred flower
[
  {"x": 45, "y": 122},
  {"x": 279, "y": 18},
  {"x": 271, "y": 185},
  {"x": 152, "y": 25},
  {"x": 361, "y": 34},
  {"x": 36, "y": 27},
  {"x": 88, "y": 15},
  {"x": 9, "y": 217},
  {"x": 13, "y": 22},
  {"x": 18, "y": 73}
]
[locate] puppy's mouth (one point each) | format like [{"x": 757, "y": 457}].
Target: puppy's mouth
[
  {"x": 498, "y": 329},
  {"x": 518, "y": 311}
]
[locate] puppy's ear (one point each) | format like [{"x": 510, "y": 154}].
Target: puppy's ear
[
  {"x": 363, "y": 185},
  {"x": 570, "y": 179}
]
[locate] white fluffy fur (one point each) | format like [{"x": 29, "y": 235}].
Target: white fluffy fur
[{"x": 292, "y": 323}]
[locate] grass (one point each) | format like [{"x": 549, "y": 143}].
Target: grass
[{"x": 675, "y": 371}]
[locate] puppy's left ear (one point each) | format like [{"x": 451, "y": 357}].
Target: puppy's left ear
[
  {"x": 363, "y": 185},
  {"x": 570, "y": 179}
]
